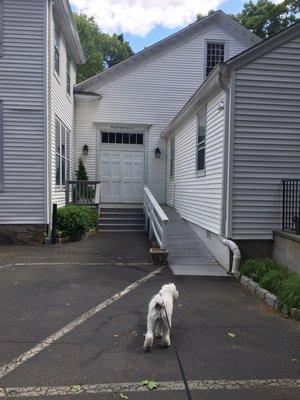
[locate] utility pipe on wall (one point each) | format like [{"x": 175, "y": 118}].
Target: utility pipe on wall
[{"x": 236, "y": 253}]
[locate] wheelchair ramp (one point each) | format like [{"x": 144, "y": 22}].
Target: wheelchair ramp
[{"x": 187, "y": 253}]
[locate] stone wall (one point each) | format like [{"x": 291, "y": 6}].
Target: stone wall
[
  {"x": 22, "y": 234},
  {"x": 287, "y": 250}
]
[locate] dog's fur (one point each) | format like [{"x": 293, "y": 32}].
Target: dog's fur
[{"x": 157, "y": 324}]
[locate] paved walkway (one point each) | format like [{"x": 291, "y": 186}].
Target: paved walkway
[
  {"x": 73, "y": 319},
  {"x": 188, "y": 255}
]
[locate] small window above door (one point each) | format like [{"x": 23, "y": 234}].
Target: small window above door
[{"x": 122, "y": 138}]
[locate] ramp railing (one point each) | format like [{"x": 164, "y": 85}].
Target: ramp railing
[{"x": 156, "y": 221}]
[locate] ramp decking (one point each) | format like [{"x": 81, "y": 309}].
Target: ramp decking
[{"x": 187, "y": 254}]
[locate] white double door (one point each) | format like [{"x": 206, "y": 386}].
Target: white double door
[{"x": 122, "y": 176}]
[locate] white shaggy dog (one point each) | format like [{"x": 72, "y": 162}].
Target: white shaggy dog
[{"x": 157, "y": 324}]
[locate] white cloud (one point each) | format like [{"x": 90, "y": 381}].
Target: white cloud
[{"x": 139, "y": 17}]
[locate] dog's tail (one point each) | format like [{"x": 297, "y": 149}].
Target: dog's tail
[{"x": 159, "y": 302}]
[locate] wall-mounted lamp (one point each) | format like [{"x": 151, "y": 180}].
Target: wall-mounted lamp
[
  {"x": 221, "y": 106},
  {"x": 157, "y": 152},
  {"x": 85, "y": 150}
]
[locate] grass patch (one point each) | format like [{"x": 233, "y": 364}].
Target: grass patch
[
  {"x": 276, "y": 279},
  {"x": 289, "y": 293}
]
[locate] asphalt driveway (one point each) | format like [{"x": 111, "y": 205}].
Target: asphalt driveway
[{"x": 44, "y": 290}]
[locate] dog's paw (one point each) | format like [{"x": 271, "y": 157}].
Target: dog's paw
[{"x": 147, "y": 349}]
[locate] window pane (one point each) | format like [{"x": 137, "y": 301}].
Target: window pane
[
  {"x": 104, "y": 137},
  {"x": 63, "y": 171},
  {"x": 132, "y": 138},
  {"x": 140, "y": 138},
  {"x": 201, "y": 137},
  {"x": 68, "y": 133},
  {"x": 112, "y": 137},
  {"x": 68, "y": 170},
  {"x": 56, "y": 48},
  {"x": 57, "y": 136},
  {"x": 63, "y": 141},
  {"x": 118, "y": 137},
  {"x": 201, "y": 159},
  {"x": 214, "y": 55},
  {"x": 57, "y": 169},
  {"x": 126, "y": 138}
]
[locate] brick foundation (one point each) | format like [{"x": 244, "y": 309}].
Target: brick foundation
[{"x": 22, "y": 234}]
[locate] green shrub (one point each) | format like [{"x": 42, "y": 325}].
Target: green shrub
[
  {"x": 272, "y": 280},
  {"x": 289, "y": 293},
  {"x": 277, "y": 279},
  {"x": 256, "y": 268},
  {"x": 75, "y": 220}
]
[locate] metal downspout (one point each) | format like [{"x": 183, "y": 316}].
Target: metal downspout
[{"x": 224, "y": 215}]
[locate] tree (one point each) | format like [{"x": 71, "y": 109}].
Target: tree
[
  {"x": 81, "y": 172},
  {"x": 200, "y": 16},
  {"x": 265, "y": 18},
  {"x": 100, "y": 49}
]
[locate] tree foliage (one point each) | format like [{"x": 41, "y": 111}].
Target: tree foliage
[
  {"x": 100, "y": 49},
  {"x": 265, "y": 18},
  {"x": 81, "y": 172}
]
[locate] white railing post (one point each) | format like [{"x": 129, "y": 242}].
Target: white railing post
[{"x": 164, "y": 234}]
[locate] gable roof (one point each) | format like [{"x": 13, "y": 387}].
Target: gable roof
[
  {"x": 215, "y": 80},
  {"x": 64, "y": 15},
  {"x": 217, "y": 18}
]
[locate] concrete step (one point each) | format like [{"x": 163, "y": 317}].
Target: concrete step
[
  {"x": 121, "y": 219},
  {"x": 140, "y": 221},
  {"x": 121, "y": 210},
  {"x": 121, "y": 215},
  {"x": 121, "y": 228}
]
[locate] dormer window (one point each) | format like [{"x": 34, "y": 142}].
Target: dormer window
[
  {"x": 215, "y": 53},
  {"x": 56, "y": 48}
]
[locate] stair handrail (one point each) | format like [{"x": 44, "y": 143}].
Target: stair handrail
[{"x": 155, "y": 219}]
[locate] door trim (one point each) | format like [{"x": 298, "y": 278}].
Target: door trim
[{"x": 126, "y": 128}]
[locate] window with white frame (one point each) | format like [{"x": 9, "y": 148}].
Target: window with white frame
[
  {"x": 215, "y": 53},
  {"x": 201, "y": 138},
  {"x": 172, "y": 158},
  {"x": 56, "y": 48},
  {"x": 122, "y": 138},
  {"x": 68, "y": 75},
  {"x": 62, "y": 153}
]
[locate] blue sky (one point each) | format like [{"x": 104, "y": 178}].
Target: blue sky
[{"x": 140, "y": 21}]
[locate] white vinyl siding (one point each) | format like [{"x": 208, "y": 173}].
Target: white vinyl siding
[
  {"x": 62, "y": 107},
  {"x": 198, "y": 199},
  {"x": 22, "y": 90},
  {"x": 151, "y": 94},
  {"x": 266, "y": 139},
  {"x": 1, "y": 145},
  {"x": 1, "y": 28}
]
